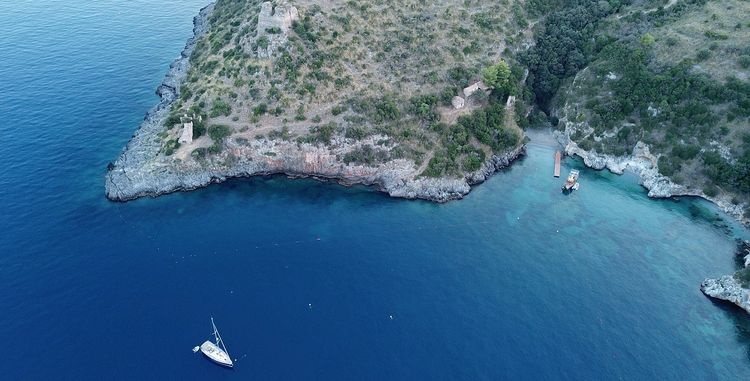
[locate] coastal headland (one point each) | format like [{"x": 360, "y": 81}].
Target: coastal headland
[
  {"x": 386, "y": 147},
  {"x": 293, "y": 88}
]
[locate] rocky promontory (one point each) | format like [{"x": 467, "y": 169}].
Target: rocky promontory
[
  {"x": 732, "y": 288},
  {"x": 155, "y": 163}
]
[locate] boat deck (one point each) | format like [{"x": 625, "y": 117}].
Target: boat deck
[{"x": 216, "y": 354}]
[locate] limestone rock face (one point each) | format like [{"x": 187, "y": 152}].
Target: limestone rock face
[
  {"x": 398, "y": 178},
  {"x": 729, "y": 289},
  {"x": 640, "y": 162},
  {"x": 274, "y": 25}
]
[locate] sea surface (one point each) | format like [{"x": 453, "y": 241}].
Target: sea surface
[{"x": 310, "y": 280}]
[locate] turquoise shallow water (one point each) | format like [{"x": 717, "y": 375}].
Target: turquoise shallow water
[{"x": 515, "y": 281}]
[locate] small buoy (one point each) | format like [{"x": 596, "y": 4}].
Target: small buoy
[{"x": 196, "y": 349}]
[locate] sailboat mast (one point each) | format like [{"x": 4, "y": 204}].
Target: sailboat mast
[{"x": 218, "y": 337}]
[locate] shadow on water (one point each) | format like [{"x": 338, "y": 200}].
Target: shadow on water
[
  {"x": 297, "y": 190},
  {"x": 739, "y": 319}
]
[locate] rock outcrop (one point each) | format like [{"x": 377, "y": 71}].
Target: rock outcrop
[
  {"x": 140, "y": 170},
  {"x": 729, "y": 289},
  {"x": 644, "y": 164}
]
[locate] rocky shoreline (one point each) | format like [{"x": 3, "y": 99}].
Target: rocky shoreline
[
  {"x": 139, "y": 173},
  {"x": 644, "y": 164},
  {"x": 144, "y": 145},
  {"x": 729, "y": 287}
]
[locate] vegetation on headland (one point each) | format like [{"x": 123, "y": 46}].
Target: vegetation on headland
[
  {"x": 673, "y": 75},
  {"x": 341, "y": 73}
]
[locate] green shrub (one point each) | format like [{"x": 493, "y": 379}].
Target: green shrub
[
  {"x": 304, "y": 29},
  {"x": 214, "y": 148},
  {"x": 668, "y": 166},
  {"x": 218, "y": 132},
  {"x": 686, "y": 152},
  {"x": 716, "y": 35},
  {"x": 170, "y": 146},
  {"x": 488, "y": 126},
  {"x": 260, "y": 109},
  {"x": 356, "y": 133},
  {"x": 366, "y": 155},
  {"x": 199, "y": 129},
  {"x": 300, "y": 115},
  {"x": 323, "y": 133},
  {"x": 262, "y": 42},
  {"x": 220, "y": 107},
  {"x": 472, "y": 162},
  {"x": 209, "y": 67},
  {"x": 385, "y": 109},
  {"x": 647, "y": 39},
  {"x": 172, "y": 119}
]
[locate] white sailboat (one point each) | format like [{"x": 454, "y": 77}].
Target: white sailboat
[{"x": 216, "y": 352}]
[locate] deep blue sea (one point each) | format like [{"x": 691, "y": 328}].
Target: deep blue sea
[{"x": 314, "y": 281}]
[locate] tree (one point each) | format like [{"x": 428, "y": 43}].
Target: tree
[{"x": 498, "y": 77}]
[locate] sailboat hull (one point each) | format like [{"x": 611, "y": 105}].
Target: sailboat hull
[{"x": 216, "y": 354}]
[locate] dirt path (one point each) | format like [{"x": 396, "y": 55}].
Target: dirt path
[{"x": 652, "y": 10}]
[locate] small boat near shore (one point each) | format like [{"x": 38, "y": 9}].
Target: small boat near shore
[
  {"x": 571, "y": 183},
  {"x": 216, "y": 352}
]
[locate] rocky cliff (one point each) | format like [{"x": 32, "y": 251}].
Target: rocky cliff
[
  {"x": 729, "y": 287},
  {"x": 141, "y": 171}
]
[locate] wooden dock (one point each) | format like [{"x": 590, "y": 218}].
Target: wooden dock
[{"x": 558, "y": 157}]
